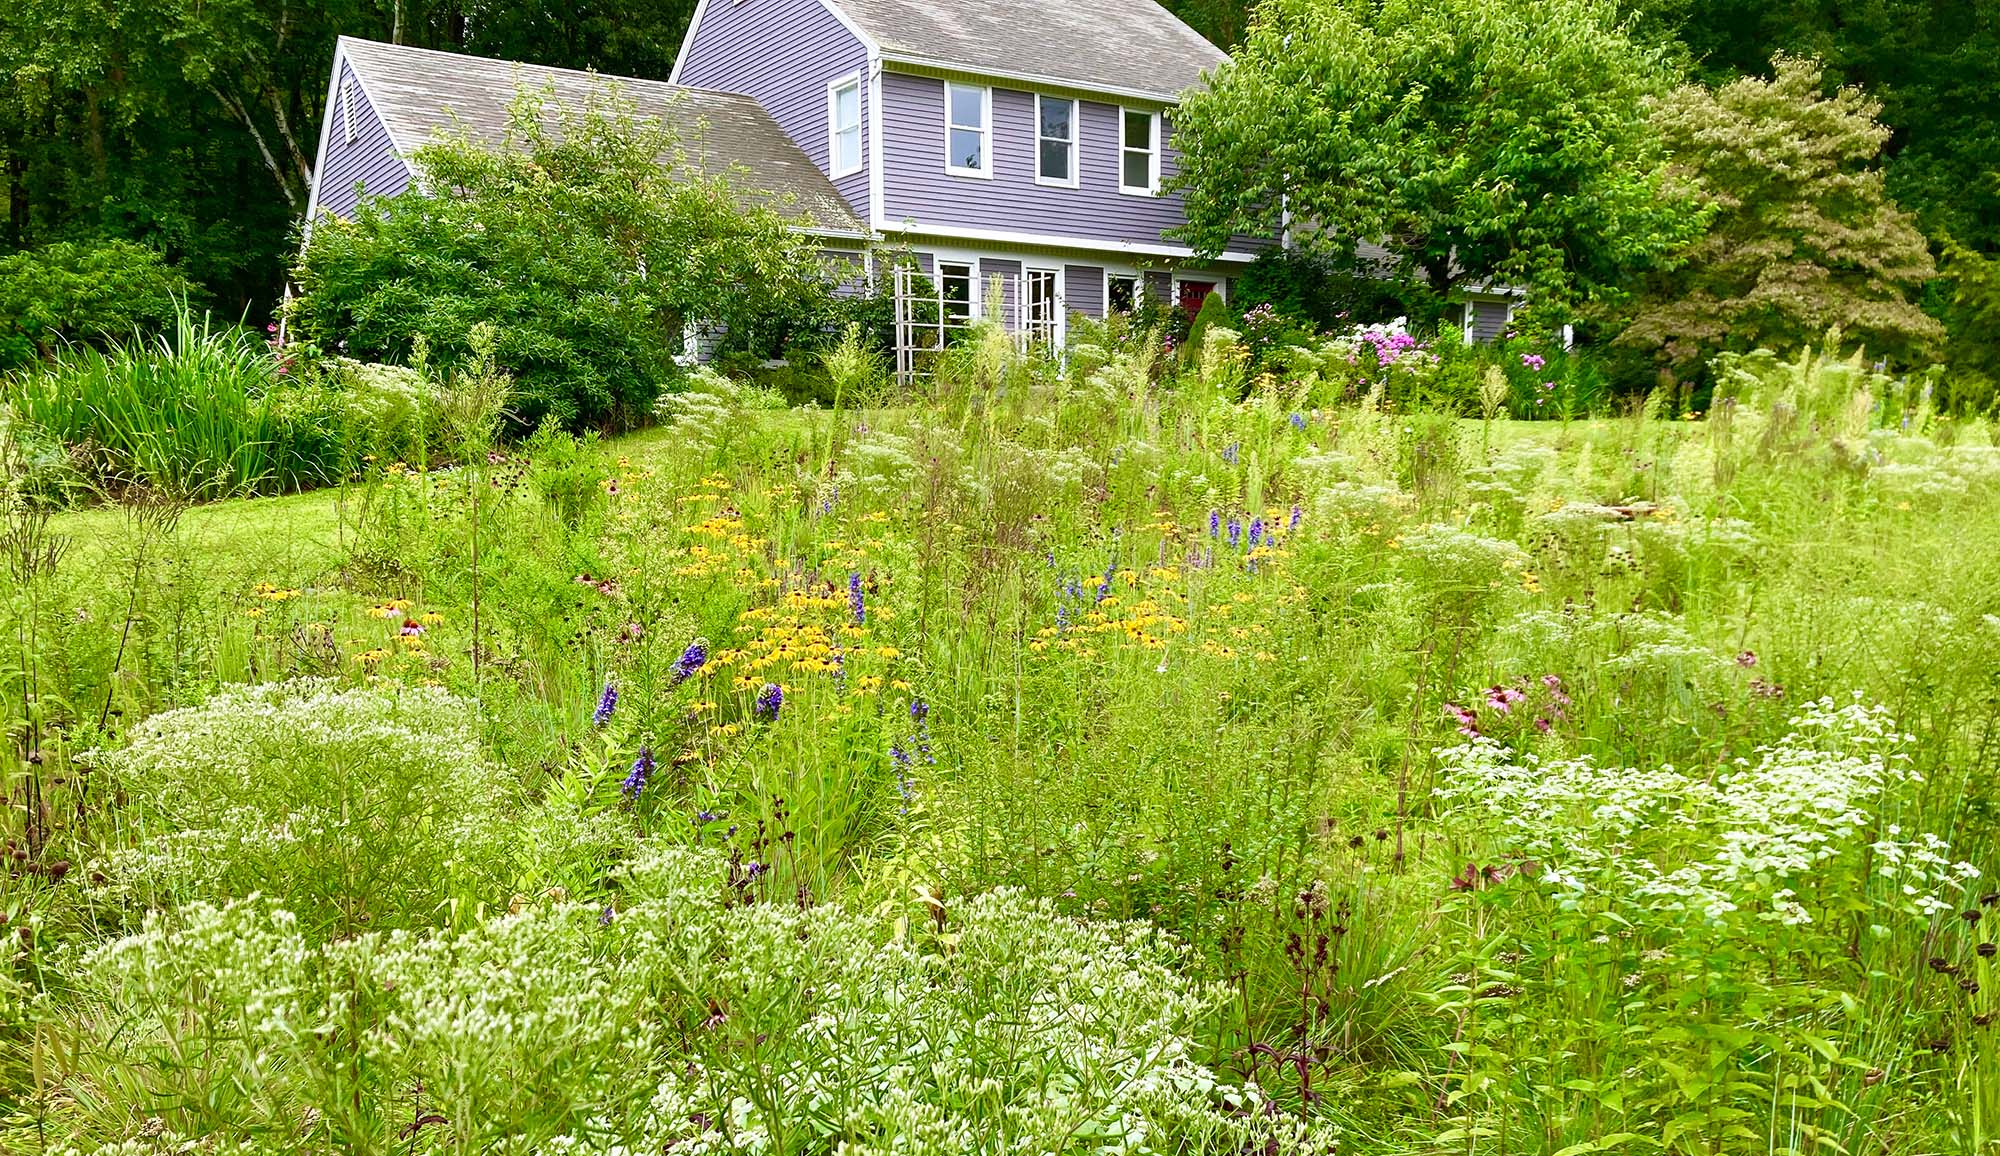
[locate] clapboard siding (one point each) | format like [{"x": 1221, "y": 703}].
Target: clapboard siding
[
  {"x": 1009, "y": 272},
  {"x": 369, "y": 161},
  {"x": 1083, "y": 289},
  {"x": 849, "y": 269},
  {"x": 1488, "y": 320},
  {"x": 916, "y": 188},
  {"x": 783, "y": 53}
]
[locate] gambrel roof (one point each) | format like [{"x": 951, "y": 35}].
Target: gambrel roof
[
  {"x": 420, "y": 94},
  {"x": 1132, "y": 47}
]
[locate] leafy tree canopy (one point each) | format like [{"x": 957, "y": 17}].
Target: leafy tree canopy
[
  {"x": 72, "y": 291},
  {"x": 1477, "y": 141},
  {"x": 586, "y": 239},
  {"x": 1804, "y": 237}
]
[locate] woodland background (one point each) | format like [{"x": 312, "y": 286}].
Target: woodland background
[{"x": 189, "y": 126}]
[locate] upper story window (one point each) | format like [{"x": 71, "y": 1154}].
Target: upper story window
[
  {"x": 968, "y": 120},
  {"x": 1138, "y": 152},
  {"x": 843, "y": 127},
  {"x": 1055, "y": 141},
  {"x": 347, "y": 111}
]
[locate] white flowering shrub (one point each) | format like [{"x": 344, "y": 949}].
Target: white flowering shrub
[
  {"x": 1778, "y": 837},
  {"x": 682, "y": 1021},
  {"x": 709, "y": 406},
  {"x": 355, "y": 807}
]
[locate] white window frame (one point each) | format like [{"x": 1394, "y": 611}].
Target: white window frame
[
  {"x": 347, "y": 110},
  {"x": 1075, "y": 142},
  {"x": 1152, "y": 154},
  {"x": 834, "y": 88},
  {"x": 985, "y": 172},
  {"x": 1138, "y": 281},
  {"x": 1058, "y": 329},
  {"x": 971, "y": 267}
]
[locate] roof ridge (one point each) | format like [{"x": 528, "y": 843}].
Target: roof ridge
[{"x": 557, "y": 68}]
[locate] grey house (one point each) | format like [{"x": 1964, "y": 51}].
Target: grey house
[
  {"x": 1017, "y": 146},
  {"x": 1013, "y": 152}
]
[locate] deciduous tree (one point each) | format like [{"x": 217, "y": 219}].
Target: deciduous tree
[
  {"x": 1479, "y": 142},
  {"x": 1803, "y": 236}
]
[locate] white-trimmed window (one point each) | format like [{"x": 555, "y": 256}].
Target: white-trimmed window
[
  {"x": 1138, "y": 152},
  {"x": 968, "y": 125},
  {"x": 347, "y": 111},
  {"x": 1055, "y": 141},
  {"x": 956, "y": 285},
  {"x": 843, "y": 126},
  {"x": 1121, "y": 292},
  {"x": 1042, "y": 318}
]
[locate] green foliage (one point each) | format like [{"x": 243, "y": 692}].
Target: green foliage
[
  {"x": 587, "y": 239},
  {"x": 353, "y": 809},
  {"x": 72, "y": 292},
  {"x": 1316, "y": 289},
  {"x": 1479, "y": 142},
  {"x": 1113, "y": 753},
  {"x": 1214, "y": 312},
  {"x": 1972, "y": 322},
  {"x": 205, "y": 412},
  {"x": 1803, "y": 239}
]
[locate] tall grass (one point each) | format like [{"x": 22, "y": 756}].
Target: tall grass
[
  {"x": 193, "y": 412},
  {"x": 1495, "y": 787},
  {"x": 209, "y": 411}
]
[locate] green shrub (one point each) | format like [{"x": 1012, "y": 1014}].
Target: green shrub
[
  {"x": 1214, "y": 311},
  {"x": 104, "y": 290},
  {"x": 583, "y": 247}
]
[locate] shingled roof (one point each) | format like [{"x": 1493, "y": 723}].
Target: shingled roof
[
  {"x": 1119, "y": 46},
  {"x": 419, "y": 94}
]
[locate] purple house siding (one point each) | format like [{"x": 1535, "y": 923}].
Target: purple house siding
[
  {"x": 783, "y": 53},
  {"x": 369, "y": 158},
  {"x": 916, "y": 188},
  {"x": 1083, "y": 289},
  {"x": 1009, "y": 273}
]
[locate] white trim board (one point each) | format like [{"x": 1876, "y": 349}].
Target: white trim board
[{"x": 913, "y": 233}]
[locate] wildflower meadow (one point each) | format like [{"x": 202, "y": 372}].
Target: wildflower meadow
[{"x": 1121, "y": 752}]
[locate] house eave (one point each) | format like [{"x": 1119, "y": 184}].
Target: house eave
[{"x": 929, "y": 66}]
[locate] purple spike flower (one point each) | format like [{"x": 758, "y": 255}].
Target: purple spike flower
[
  {"x": 1298, "y": 512},
  {"x": 854, "y": 599},
  {"x": 606, "y": 703},
  {"x": 1214, "y": 523},
  {"x": 1256, "y": 531},
  {"x": 1298, "y": 421},
  {"x": 1235, "y": 532},
  {"x": 642, "y": 769},
  {"x": 770, "y": 701},
  {"x": 691, "y": 660}
]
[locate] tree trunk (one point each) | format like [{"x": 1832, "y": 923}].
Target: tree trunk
[{"x": 271, "y": 163}]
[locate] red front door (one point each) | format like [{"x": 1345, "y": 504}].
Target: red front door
[{"x": 1193, "y": 293}]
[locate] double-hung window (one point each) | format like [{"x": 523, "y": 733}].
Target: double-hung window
[
  {"x": 1121, "y": 292},
  {"x": 1138, "y": 152},
  {"x": 1055, "y": 141},
  {"x": 843, "y": 126},
  {"x": 954, "y": 283},
  {"x": 968, "y": 133}
]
